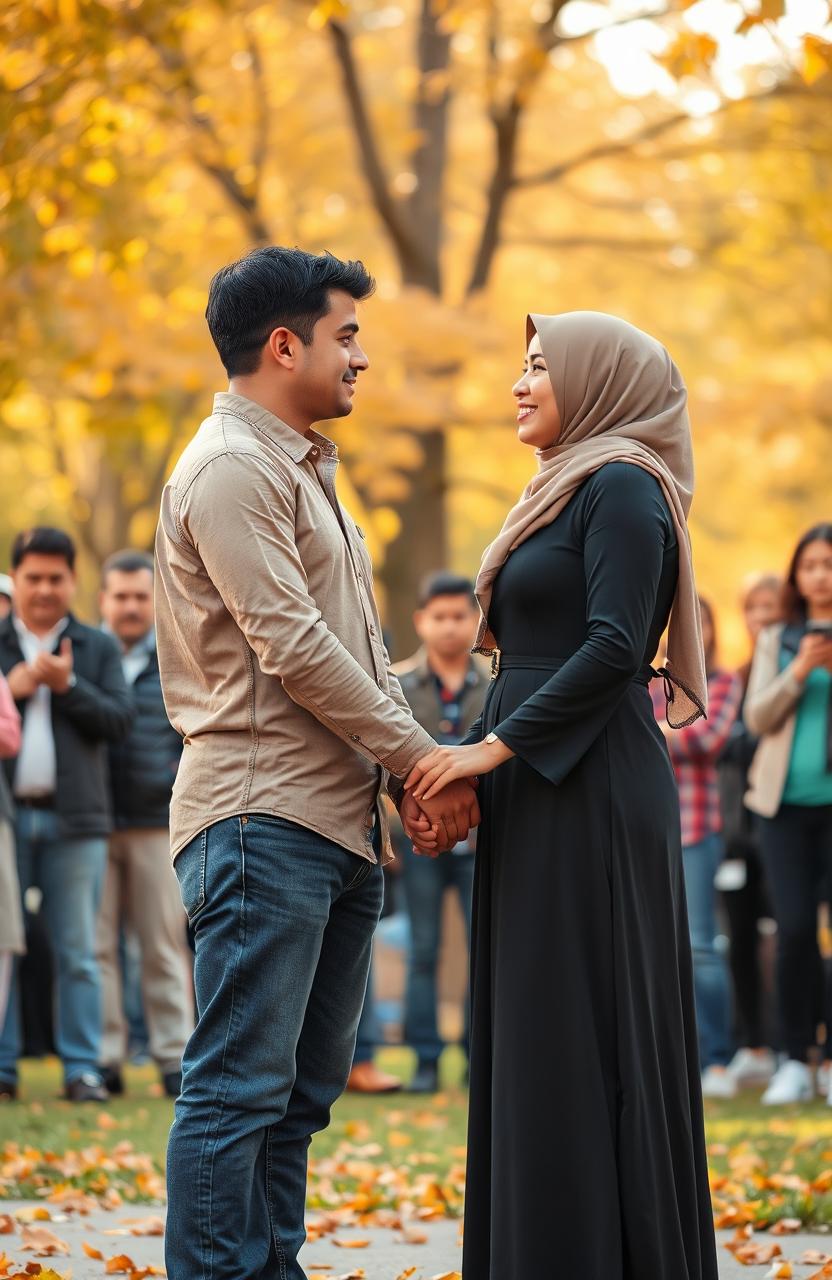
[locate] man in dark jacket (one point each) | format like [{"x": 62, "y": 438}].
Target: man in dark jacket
[
  {"x": 68, "y": 684},
  {"x": 446, "y": 689},
  {"x": 140, "y": 889}
]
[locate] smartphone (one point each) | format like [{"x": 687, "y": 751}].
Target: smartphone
[{"x": 819, "y": 628}]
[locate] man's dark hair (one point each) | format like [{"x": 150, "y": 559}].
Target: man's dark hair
[
  {"x": 273, "y": 287},
  {"x": 126, "y": 562},
  {"x": 43, "y": 541},
  {"x": 444, "y": 583}
]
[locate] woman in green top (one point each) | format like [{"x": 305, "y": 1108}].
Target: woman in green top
[{"x": 788, "y": 704}]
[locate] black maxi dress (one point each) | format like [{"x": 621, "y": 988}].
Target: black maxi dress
[{"x": 586, "y": 1152}]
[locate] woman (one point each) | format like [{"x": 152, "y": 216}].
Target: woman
[
  {"x": 787, "y": 706},
  {"x": 586, "y": 1149},
  {"x": 741, "y": 878},
  {"x": 11, "y": 916},
  {"x": 694, "y": 753}
]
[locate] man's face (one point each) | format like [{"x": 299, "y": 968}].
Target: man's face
[
  {"x": 447, "y": 626},
  {"x": 43, "y": 589},
  {"x": 328, "y": 368},
  {"x": 126, "y": 603}
]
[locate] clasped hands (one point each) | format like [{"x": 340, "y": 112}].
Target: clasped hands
[
  {"x": 52, "y": 669},
  {"x": 439, "y": 804}
]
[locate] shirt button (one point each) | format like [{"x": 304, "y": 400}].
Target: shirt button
[
  {"x": 380, "y": 683},
  {"x": 355, "y": 737},
  {"x": 372, "y": 631},
  {"x": 314, "y": 452}
]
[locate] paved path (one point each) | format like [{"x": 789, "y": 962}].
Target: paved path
[{"x": 386, "y": 1258}]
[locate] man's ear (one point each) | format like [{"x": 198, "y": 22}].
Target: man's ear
[{"x": 283, "y": 345}]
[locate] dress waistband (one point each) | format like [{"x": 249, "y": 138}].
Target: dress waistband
[{"x": 523, "y": 662}]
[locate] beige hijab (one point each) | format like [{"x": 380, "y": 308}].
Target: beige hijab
[{"x": 621, "y": 399}]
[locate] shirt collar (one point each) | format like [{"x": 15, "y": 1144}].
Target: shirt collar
[
  {"x": 45, "y": 642},
  {"x": 290, "y": 441}
]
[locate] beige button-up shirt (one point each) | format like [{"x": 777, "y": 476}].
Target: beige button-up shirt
[{"x": 270, "y": 647}]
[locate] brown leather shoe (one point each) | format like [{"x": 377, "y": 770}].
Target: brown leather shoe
[{"x": 365, "y": 1077}]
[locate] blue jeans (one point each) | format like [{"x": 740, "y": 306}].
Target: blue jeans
[
  {"x": 69, "y": 871},
  {"x": 283, "y": 921},
  {"x": 425, "y": 882},
  {"x": 712, "y": 992}
]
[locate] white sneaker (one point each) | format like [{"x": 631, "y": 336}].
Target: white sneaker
[
  {"x": 792, "y": 1083},
  {"x": 717, "y": 1082},
  {"x": 752, "y": 1066}
]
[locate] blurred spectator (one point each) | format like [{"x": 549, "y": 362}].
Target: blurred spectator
[
  {"x": 445, "y": 687},
  {"x": 787, "y": 705},
  {"x": 141, "y": 891},
  {"x": 5, "y": 595},
  {"x": 741, "y": 875},
  {"x": 68, "y": 684},
  {"x": 694, "y": 752},
  {"x": 11, "y": 915}
]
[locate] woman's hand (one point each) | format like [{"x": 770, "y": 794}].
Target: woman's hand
[
  {"x": 444, "y": 765},
  {"x": 815, "y": 651}
]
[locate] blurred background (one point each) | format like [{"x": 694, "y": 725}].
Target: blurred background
[{"x": 671, "y": 163}]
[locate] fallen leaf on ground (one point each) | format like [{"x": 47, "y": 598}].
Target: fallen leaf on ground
[
  {"x": 824, "y": 1274},
  {"x": 7, "y": 1227},
  {"x": 33, "y": 1213},
  {"x": 780, "y": 1271},
  {"x": 42, "y": 1241},
  {"x": 149, "y": 1227},
  {"x": 814, "y": 1258},
  {"x": 754, "y": 1254},
  {"x": 786, "y": 1227},
  {"x": 351, "y": 1244},
  {"x": 92, "y": 1252},
  {"x": 405, "y": 1275},
  {"x": 412, "y": 1235}
]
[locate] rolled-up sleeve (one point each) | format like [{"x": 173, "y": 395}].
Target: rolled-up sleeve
[{"x": 239, "y": 516}]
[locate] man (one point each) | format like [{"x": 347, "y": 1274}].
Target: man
[
  {"x": 68, "y": 684},
  {"x": 275, "y": 674},
  {"x": 446, "y": 688},
  {"x": 140, "y": 888}
]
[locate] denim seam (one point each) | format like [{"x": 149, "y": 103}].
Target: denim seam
[
  {"x": 225, "y": 1079},
  {"x": 276, "y": 1240}
]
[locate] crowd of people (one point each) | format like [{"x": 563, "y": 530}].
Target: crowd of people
[{"x": 90, "y": 759}]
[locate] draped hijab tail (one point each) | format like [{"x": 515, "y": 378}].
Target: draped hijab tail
[{"x": 621, "y": 399}]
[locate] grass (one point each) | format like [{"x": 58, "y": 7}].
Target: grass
[{"x": 381, "y": 1151}]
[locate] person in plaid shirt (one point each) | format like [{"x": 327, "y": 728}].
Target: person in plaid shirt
[{"x": 694, "y": 753}]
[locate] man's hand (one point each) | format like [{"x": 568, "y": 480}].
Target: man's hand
[
  {"x": 22, "y": 681},
  {"x": 55, "y": 670},
  {"x": 420, "y": 831},
  {"x": 456, "y": 810}
]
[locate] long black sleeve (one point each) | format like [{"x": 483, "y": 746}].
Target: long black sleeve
[{"x": 627, "y": 528}]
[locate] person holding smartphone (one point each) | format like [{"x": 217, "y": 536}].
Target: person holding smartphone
[{"x": 788, "y": 707}]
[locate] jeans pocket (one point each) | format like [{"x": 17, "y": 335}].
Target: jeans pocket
[{"x": 190, "y": 867}]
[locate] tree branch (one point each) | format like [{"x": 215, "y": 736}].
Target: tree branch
[
  {"x": 414, "y": 268},
  {"x": 607, "y": 150}
]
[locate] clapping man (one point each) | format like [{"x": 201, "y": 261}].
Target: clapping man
[{"x": 68, "y": 684}]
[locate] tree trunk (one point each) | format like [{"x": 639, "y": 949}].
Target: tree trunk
[{"x": 420, "y": 548}]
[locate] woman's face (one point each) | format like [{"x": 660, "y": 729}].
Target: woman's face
[
  {"x": 538, "y": 416},
  {"x": 814, "y": 575},
  {"x": 761, "y": 609}
]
